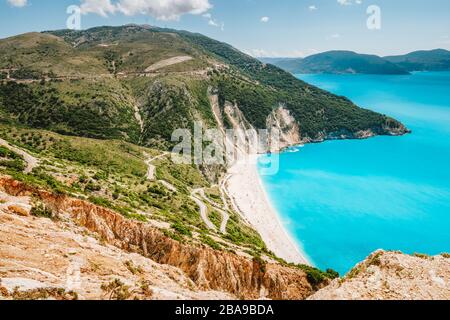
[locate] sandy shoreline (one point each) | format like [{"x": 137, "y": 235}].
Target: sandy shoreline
[{"x": 245, "y": 187}]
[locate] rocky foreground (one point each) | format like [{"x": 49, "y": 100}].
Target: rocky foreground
[
  {"x": 78, "y": 250},
  {"x": 393, "y": 276},
  {"x": 68, "y": 247}
]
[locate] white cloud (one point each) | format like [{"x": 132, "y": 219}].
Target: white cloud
[
  {"x": 160, "y": 9},
  {"x": 335, "y": 36},
  {"x": 18, "y": 3},
  {"x": 100, "y": 7},
  {"x": 349, "y": 2},
  {"x": 258, "y": 53},
  {"x": 213, "y": 22},
  {"x": 444, "y": 40},
  {"x": 265, "y": 19},
  {"x": 262, "y": 53},
  {"x": 312, "y": 8}
]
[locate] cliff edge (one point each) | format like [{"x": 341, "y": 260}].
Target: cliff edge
[{"x": 393, "y": 276}]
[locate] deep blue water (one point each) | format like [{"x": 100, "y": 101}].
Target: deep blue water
[{"x": 341, "y": 200}]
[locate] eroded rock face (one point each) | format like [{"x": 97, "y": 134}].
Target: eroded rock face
[
  {"x": 45, "y": 259},
  {"x": 210, "y": 270},
  {"x": 393, "y": 276},
  {"x": 282, "y": 120},
  {"x": 174, "y": 270}
]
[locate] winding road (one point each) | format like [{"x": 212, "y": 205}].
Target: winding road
[
  {"x": 31, "y": 161},
  {"x": 224, "y": 214},
  {"x": 203, "y": 209},
  {"x": 197, "y": 195},
  {"x": 151, "y": 169}
]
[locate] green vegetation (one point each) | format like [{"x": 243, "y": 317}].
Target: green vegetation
[
  {"x": 41, "y": 211},
  {"x": 133, "y": 268},
  {"x": 113, "y": 61},
  {"x": 44, "y": 294},
  {"x": 96, "y": 110},
  {"x": 182, "y": 229},
  {"x": 11, "y": 160},
  {"x": 25, "y": 73},
  {"x": 317, "y": 277},
  {"x": 210, "y": 242},
  {"x": 215, "y": 217},
  {"x": 422, "y": 256},
  {"x": 111, "y": 174},
  {"x": 116, "y": 290},
  {"x": 241, "y": 234}
]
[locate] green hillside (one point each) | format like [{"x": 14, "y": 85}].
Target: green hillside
[
  {"x": 291, "y": 65},
  {"x": 90, "y": 83},
  {"x": 112, "y": 174}
]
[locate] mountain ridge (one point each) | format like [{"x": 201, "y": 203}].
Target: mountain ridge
[
  {"x": 348, "y": 62},
  {"x": 423, "y": 60},
  {"x": 114, "y": 59}
]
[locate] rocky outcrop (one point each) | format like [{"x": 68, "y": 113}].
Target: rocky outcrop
[
  {"x": 389, "y": 128},
  {"x": 282, "y": 120},
  {"x": 393, "y": 276},
  {"x": 46, "y": 259},
  {"x": 207, "y": 268}
]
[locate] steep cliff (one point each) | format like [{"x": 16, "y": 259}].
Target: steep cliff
[
  {"x": 208, "y": 269},
  {"x": 89, "y": 252}
]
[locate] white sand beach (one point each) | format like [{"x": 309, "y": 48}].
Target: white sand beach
[{"x": 244, "y": 187}]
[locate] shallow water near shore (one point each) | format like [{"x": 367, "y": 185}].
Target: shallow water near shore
[{"x": 341, "y": 200}]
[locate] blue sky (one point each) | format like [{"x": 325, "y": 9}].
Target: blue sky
[{"x": 258, "y": 27}]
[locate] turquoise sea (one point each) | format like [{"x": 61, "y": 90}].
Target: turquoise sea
[{"x": 341, "y": 200}]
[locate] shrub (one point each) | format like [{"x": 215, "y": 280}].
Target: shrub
[
  {"x": 16, "y": 165},
  {"x": 41, "y": 211},
  {"x": 44, "y": 294},
  {"x": 317, "y": 277},
  {"x": 182, "y": 229},
  {"x": 210, "y": 242},
  {"x": 132, "y": 268},
  {"x": 421, "y": 256},
  {"x": 116, "y": 290}
]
